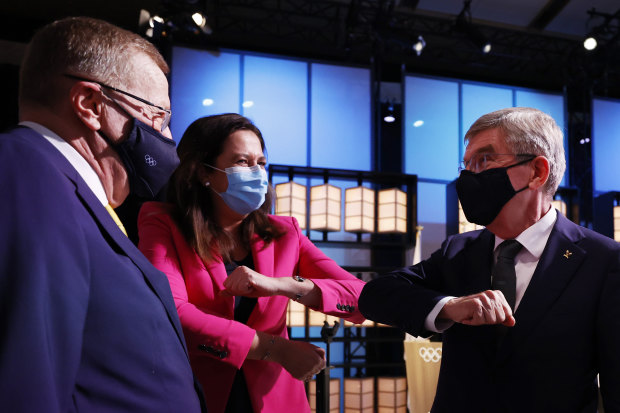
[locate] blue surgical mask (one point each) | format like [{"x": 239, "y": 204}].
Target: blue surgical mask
[{"x": 247, "y": 187}]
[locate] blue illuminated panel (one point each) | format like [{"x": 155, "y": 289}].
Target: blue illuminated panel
[
  {"x": 275, "y": 97},
  {"x": 431, "y": 128},
  {"x": 478, "y": 100},
  {"x": 340, "y": 117},
  {"x": 202, "y": 83},
  {"x": 605, "y": 145}
]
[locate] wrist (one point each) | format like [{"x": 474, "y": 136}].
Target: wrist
[
  {"x": 270, "y": 347},
  {"x": 445, "y": 313},
  {"x": 298, "y": 294}
]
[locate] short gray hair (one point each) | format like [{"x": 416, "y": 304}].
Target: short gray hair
[
  {"x": 528, "y": 130},
  {"x": 81, "y": 46}
]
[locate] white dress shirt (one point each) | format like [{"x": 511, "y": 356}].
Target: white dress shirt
[
  {"x": 86, "y": 171},
  {"x": 534, "y": 239}
]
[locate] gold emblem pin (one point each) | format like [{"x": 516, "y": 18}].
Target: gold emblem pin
[{"x": 567, "y": 254}]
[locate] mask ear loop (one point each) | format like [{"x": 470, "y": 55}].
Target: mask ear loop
[
  {"x": 213, "y": 167},
  {"x": 521, "y": 163}
]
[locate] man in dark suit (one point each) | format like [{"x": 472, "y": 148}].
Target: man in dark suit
[
  {"x": 527, "y": 325},
  {"x": 86, "y": 322}
]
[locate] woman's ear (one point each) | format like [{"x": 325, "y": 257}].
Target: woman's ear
[
  {"x": 87, "y": 103},
  {"x": 540, "y": 172},
  {"x": 203, "y": 173}
]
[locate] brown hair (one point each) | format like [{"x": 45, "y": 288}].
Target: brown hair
[
  {"x": 202, "y": 143},
  {"x": 82, "y": 46}
]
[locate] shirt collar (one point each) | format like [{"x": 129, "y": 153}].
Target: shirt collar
[
  {"x": 535, "y": 237},
  {"x": 86, "y": 171}
]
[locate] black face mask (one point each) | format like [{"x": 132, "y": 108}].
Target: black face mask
[
  {"x": 484, "y": 194},
  {"x": 149, "y": 158}
]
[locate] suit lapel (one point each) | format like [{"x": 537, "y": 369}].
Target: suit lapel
[
  {"x": 155, "y": 279},
  {"x": 558, "y": 264}
]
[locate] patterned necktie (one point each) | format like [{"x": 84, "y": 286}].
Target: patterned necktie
[
  {"x": 504, "y": 276},
  {"x": 115, "y": 218}
]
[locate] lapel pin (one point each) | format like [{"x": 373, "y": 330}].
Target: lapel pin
[{"x": 567, "y": 254}]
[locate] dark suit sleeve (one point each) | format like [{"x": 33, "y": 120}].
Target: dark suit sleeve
[
  {"x": 405, "y": 297},
  {"x": 44, "y": 283},
  {"x": 608, "y": 340}
]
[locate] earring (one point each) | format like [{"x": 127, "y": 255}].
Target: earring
[{"x": 207, "y": 183}]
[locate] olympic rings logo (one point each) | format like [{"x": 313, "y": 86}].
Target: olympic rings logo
[
  {"x": 150, "y": 161},
  {"x": 430, "y": 354}
]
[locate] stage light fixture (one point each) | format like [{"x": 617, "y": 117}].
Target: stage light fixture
[
  {"x": 201, "y": 22},
  {"x": 181, "y": 23},
  {"x": 419, "y": 45},
  {"x": 465, "y": 25},
  {"x": 590, "y": 43},
  {"x": 603, "y": 28},
  {"x": 389, "y": 116},
  {"x": 153, "y": 26}
]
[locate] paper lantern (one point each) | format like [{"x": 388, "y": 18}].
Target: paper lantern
[
  {"x": 295, "y": 314},
  {"x": 291, "y": 201},
  {"x": 359, "y": 209},
  {"x": 325, "y": 204},
  {"x": 359, "y": 395},
  {"x": 392, "y": 210}
]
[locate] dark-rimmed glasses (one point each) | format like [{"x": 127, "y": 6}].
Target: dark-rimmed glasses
[{"x": 168, "y": 113}]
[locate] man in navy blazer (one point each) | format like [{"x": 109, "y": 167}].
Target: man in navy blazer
[
  {"x": 537, "y": 344},
  {"x": 87, "y": 324}
]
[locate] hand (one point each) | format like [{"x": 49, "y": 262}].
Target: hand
[
  {"x": 302, "y": 360},
  {"x": 487, "y": 307},
  {"x": 246, "y": 282}
]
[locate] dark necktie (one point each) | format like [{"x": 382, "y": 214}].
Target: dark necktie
[{"x": 504, "y": 276}]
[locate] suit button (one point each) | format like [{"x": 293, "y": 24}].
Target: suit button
[
  {"x": 223, "y": 354},
  {"x": 338, "y": 306},
  {"x": 347, "y": 308},
  {"x": 203, "y": 347},
  {"x": 352, "y": 308}
]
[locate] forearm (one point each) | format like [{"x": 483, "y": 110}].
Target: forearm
[
  {"x": 301, "y": 290},
  {"x": 264, "y": 346}
]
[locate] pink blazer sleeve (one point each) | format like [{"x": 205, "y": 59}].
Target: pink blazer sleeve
[
  {"x": 340, "y": 290},
  {"x": 206, "y": 331}
]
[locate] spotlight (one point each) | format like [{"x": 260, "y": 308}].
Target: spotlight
[
  {"x": 419, "y": 45},
  {"x": 605, "y": 32},
  {"x": 389, "y": 117},
  {"x": 464, "y": 24},
  {"x": 590, "y": 43},
  {"x": 201, "y": 22},
  {"x": 199, "y": 19},
  {"x": 152, "y": 26},
  {"x": 183, "y": 24}
]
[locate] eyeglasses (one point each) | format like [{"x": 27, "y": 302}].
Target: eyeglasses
[
  {"x": 480, "y": 161},
  {"x": 167, "y": 112}
]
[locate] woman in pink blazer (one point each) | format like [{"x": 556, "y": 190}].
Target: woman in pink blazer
[{"x": 232, "y": 269}]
